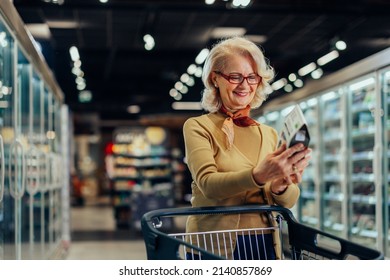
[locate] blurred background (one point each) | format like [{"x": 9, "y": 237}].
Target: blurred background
[{"x": 94, "y": 94}]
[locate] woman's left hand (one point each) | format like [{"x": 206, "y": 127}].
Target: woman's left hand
[{"x": 278, "y": 186}]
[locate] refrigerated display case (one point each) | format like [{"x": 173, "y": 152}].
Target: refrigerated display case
[
  {"x": 12, "y": 149},
  {"x": 309, "y": 201},
  {"x": 31, "y": 157},
  {"x": 351, "y": 125},
  {"x": 385, "y": 89},
  {"x": 332, "y": 164},
  {"x": 363, "y": 134}
]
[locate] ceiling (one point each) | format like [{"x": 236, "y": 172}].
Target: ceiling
[{"x": 119, "y": 72}]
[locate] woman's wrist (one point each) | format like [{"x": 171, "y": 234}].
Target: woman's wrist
[
  {"x": 279, "y": 190},
  {"x": 256, "y": 178}
]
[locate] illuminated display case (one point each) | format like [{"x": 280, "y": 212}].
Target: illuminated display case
[
  {"x": 345, "y": 189},
  {"x": 33, "y": 174}
]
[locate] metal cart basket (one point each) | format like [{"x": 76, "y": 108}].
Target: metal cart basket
[{"x": 298, "y": 241}]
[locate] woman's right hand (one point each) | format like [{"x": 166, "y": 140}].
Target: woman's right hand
[{"x": 282, "y": 164}]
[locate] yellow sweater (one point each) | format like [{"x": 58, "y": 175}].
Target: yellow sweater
[{"x": 223, "y": 177}]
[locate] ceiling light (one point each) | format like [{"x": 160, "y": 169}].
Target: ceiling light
[
  {"x": 279, "y": 84},
  {"x": 149, "y": 42},
  {"x": 190, "y": 82},
  {"x": 74, "y": 53},
  {"x": 80, "y": 80},
  {"x": 85, "y": 96},
  {"x": 62, "y": 24},
  {"x": 288, "y": 88},
  {"x": 184, "y": 89},
  {"x": 178, "y": 96},
  {"x": 133, "y": 109},
  {"x": 178, "y": 85},
  {"x": 258, "y": 39},
  {"x": 340, "y": 45},
  {"x": 307, "y": 69},
  {"x": 316, "y": 74},
  {"x": 298, "y": 83},
  {"x": 224, "y": 32},
  {"x": 58, "y": 2},
  {"x": 198, "y": 72},
  {"x": 201, "y": 57},
  {"x": 191, "y": 69},
  {"x": 292, "y": 77},
  {"x": 81, "y": 86},
  {"x": 76, "y": 71},
  {"x": 209, "y": 2},
  {"x": 173, "y": 92},
  {"x": 328, "y": 58},
  {"x": 186, "y": 106},
  {"x": 103, "y": 1},
  {"x": 184, "y": 78},
  {"x": 241, "y": 3},
  {"x": 39, "y": 30}
]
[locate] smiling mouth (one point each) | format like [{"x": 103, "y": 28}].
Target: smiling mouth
[{"x": 241, "y": 93}]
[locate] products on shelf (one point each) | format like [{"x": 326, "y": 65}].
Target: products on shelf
[{"x": 142, "y": 173}]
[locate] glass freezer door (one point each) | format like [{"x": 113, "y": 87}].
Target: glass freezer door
[
  {"x": 309, "y": 206},
  {"x": 385, "y": 78},
  {"x": 362, "y": 188},
  {"x": 21, "y": 199},
  {"x": 37, "y": 168},
  {"x": 8, "y": 236},
  {"x": 333, "y": 159}
]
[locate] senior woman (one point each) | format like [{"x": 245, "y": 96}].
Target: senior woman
[{"x": 233, "y": 159}]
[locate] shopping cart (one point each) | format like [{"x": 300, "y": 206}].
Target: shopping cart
[{"x": 298, "y": 242}]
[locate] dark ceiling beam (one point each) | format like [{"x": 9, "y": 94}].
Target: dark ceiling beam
[
  {"x": 331, "y": 7},
  {"x": 111, "y": 46},
  {"x": 79, "y": 33}
]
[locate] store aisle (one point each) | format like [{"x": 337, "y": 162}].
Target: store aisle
[{"x": 95, "y": 237}]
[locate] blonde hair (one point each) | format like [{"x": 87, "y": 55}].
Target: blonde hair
[{"x": 216, "y": 61}]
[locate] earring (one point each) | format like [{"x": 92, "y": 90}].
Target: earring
[{"x": 216, "y": 85}]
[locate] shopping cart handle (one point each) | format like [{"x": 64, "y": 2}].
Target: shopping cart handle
[
  {"x": 188, "y": 211},
  {"x": 315, "y": 243},
  {"x": 326, "y": 245}
]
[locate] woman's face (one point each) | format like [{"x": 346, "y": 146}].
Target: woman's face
[{"x": 236, "y": 96}]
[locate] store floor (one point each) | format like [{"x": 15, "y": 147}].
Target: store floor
[{"x": 95, "y": 237}]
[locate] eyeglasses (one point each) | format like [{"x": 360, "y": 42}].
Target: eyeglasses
[{"x": 252, "y": 79}]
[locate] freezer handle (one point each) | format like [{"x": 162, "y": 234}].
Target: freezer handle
[
  {"x": 33, "y": 179},
  {"x": 15, "y": 191}
]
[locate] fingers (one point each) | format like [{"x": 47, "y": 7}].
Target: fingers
[
  {"x": 289, "y": 180},
  {"x": 301, "y": 164},
  {"x": 295, "y": 149},
  {"x": 280, "y": 149},
  {"x": 296, "y": 178}
]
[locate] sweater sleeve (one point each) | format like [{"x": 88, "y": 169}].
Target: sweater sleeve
[
  {"x": 287, "y": 199},
  {"x": 213, "y": 184}
]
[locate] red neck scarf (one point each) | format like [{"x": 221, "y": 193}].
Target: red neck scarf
[{"x": 240, "y": 118}]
